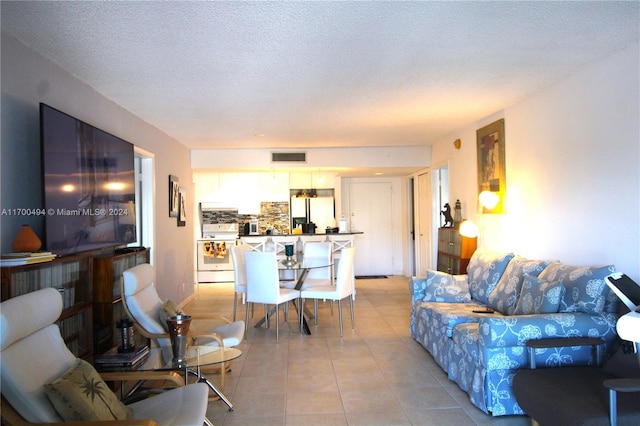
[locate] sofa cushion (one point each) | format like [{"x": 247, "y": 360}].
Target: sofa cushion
[
  {"x": 443, "y": 287},
  {"x": 585, "y": 288},
  {"x": 465, "y": 336},
  {"x": 505, "y": 296},
  {"x": 447, "y": 315},
  {"x": 81, "y": 395},
  {"x": 484, "y": 270},
  {"x": 539, "y": 297}
]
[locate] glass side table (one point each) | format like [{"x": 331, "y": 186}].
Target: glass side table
[{"x": 158, "y": 366}]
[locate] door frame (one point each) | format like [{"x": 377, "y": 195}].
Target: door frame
[
  {"x": 440, "y": 196},
  {"x": 415, "y": 220}
]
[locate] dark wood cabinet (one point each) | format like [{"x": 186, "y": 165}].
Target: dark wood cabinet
[
  {"x": 72, "y": 277},
  {"x": 454, "y": 251},
  {"x": 107, "y": 301}
]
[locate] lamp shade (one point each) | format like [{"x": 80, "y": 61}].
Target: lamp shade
[
  {"x": 468, "y": 229},
  {"x": 489, "y": 199}
]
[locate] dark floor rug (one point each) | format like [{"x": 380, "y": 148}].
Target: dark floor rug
[{"x": 370, "y": 277}]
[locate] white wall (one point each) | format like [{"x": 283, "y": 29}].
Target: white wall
[
  {"x": 573, "y": 170},
  {"x": 404, "y": 156},
  {"x": 28, "y": 79}
]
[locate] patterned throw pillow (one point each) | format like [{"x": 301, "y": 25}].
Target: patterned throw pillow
[
  {"x": 169, "y": 309},
  {"x": 81, "y": 395},
  {"x": 505, "y": 296},
  {"x": 585, "y": 288},
  {"x": 484, "y": 270},
  {"x": 443, "y": 287},
  {"x": 538, "y": 296}
]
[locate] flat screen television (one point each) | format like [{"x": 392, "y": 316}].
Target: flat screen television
[{"x": 88, "y": 185}]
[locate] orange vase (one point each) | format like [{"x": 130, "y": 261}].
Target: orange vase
[{"x": 26, "y": 240}]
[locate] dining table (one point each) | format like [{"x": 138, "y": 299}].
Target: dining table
[{"x": 301, "y": 270}]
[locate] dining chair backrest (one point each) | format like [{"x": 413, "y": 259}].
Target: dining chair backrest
[
  {"x": 239, "y": 267},
  {"x": 263, "y": 284},
  {"x": 315, "y": 254},
  {"x": 281, "y": 242},
  {"x": 345, "y": 277},
  {"x": 256, "y": 243}
]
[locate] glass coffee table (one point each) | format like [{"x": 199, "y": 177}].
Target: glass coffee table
[{"x": 159, "y": 366}]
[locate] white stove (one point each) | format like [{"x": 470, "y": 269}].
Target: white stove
[
  {"x": 214, "y": 252},
  {"x": 219, "y": 230}
]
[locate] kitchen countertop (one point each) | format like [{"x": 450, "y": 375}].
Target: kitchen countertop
[{"x": 304, "y": 235}]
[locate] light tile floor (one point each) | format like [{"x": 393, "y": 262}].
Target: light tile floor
[{"x": 375, "y": 375}]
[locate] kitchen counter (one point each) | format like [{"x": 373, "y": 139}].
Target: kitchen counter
[{"x": 330, "y": 234}]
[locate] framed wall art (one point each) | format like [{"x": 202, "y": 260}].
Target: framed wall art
[
  {"x": 182, "y": 207},
  {"x": 491, "y": 163},
  {"x": 174, "y": 196}
]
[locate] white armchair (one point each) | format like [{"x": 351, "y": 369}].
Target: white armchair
[
  {"x": 34, "y": 356},
  {"x": 145, "y": 308}
]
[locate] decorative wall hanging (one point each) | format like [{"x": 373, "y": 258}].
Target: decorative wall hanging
[
  {"x": 182, "y": 207},
  {"x": 491, "y": 163},
  {"x": 174, "y": 196}
]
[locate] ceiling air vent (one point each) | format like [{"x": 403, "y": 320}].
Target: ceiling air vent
[{"x": 288, "y": 157}]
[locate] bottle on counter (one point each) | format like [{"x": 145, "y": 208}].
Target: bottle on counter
[{"x": 342, "y": 227}]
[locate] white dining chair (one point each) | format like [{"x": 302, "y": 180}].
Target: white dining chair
[
  {"x": 256, "y": 243},
  {"x": 316, "y": 254},
  {"x": 263, "y": 285},
  {"x": 342, "y": 290},
  {"x": 239, "y": 275},
  {"x": 280, "y": 242},
  {"x": 338, "y": 243}
]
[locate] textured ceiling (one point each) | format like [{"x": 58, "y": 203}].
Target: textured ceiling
[{"x": 305, "y": 74}]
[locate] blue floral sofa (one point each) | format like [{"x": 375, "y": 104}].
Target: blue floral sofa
[{"x": 532, "y": 299}]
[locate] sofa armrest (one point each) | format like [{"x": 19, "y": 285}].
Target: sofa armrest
[
  {"x": 515, "y": 330},
  {"x": 417, "y": 289},
  {"x": 440, "y": 287}
]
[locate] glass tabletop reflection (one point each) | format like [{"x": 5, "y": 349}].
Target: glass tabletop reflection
[{"x": 160, "y": 359}]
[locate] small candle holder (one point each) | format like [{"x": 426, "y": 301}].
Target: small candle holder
[{"x": 288, "y": 251}]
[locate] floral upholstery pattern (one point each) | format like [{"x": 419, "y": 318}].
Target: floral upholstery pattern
[
  {"x": 482, "y": 352},
  {"x": 539, "y": 297},
  {"x": 585, "y": 288},
  {"x": 507, "y": 292},
  {"x": 485, "y": 269},
  {"x": 443, "y": 287}
]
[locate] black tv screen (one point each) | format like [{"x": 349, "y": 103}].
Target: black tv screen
[{"x": 89, "y": 185}]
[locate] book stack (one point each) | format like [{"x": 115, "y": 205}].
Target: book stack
[
  {"x": 26, "y": 258},
  {"x": 114, "y": 359}
]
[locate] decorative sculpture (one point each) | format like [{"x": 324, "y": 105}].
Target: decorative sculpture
[
  {"x": 448, "y": 219},
  {"x": 457, "y": 216}
]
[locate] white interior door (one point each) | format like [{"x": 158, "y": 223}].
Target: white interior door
[
  {"x": 370, "y": 205},
  {"x": 423, "y": 219}
]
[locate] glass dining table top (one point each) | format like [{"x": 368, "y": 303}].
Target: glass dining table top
[{"x": 292, "y": 264}]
